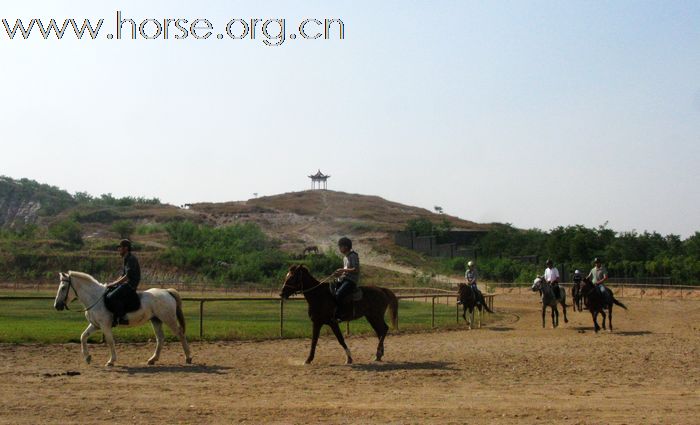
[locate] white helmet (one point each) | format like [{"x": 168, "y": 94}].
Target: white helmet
[
  {"x": 470, "y": 264},
  {"x": 577, "y": 272}
]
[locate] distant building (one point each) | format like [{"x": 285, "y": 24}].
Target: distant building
[{"x": 319, "y": 180}]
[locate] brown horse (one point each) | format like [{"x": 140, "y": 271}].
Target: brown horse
[
  {"x": 576, "y": 295},
  {"x": 373, "y": 305},
  {"x": 310, "y": 249},
  {"x": 598, "y": 301},
  {"x": 469, "y": 299}
]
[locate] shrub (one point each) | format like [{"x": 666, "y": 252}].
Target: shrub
[
  {"x": 124, "y": 228},
  {"x": 67, "y": 231}
]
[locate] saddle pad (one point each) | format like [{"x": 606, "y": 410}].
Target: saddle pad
[{"x": 357, "y": 294}]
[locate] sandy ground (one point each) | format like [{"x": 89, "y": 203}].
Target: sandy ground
[{"x": 512, "y": 371}]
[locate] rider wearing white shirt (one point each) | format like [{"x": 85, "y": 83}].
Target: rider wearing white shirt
[{"x": 551, "y": 276}]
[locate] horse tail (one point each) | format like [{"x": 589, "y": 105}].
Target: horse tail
[
  {"x": 614, "y": 300},
  {"x": 178, "y": 308},
  {"x": 485, "y": 304},
  {"x": 393, "y": 307}
]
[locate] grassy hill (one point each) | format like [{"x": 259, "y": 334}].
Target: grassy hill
[{"x": 38, "y": 231}]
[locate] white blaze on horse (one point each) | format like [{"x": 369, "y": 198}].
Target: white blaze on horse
[{"x": 157, "y": 306}]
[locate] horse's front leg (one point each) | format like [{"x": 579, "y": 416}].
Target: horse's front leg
[
  {"x": 341, "y": 340},
  {"x": 610, "y": 317},
  {"x": 602, "y": 313},
  {"x": 544, "y": 313},
  {"x": 555, "y": 316},
  {"x": 563, "y": 306},
  {"x": 471, "y": 318},
  {"x": 109, "y": 339},
  {"x": 314, "y": 340},
  {"x": 594, "y": 314},
  {"x": 83, "y": 342}
]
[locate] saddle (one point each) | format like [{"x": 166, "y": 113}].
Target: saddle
[
  {"x": 130, "y": 299},
  {"x": 355, "y": 296}
]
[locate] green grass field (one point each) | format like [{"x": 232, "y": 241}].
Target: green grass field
[{"x": 36, "y": 321}]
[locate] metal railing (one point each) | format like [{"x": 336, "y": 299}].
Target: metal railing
[{"x": 433, "y": 298}]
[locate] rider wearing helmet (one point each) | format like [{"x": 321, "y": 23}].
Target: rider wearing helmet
[
  {"x": 470, "y": 277},
  {"x": 551, "y": 276},
  {"x": 348, "y": 276},
  {"x": 577, "y": 277},
  {"x": 598, "y": 276}
]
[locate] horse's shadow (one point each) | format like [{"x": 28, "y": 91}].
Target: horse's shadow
[
  {"x": 582, "y": 329},
  {"x": 499, "y": 328},
  {"x": 186, "y": 369},
  {"x": 393, "y": 366},
  {"x": 632, "y": 333}
]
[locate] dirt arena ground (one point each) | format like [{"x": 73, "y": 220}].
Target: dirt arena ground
[{"x": 512, "y": 371}]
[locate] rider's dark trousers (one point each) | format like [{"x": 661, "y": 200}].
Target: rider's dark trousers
[
  {"x": 116, "y": 300},
  {"x": 345, "y": 288}
]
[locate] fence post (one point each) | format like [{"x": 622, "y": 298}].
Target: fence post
[
  {"x": 433, "y": 313},
  {"x": 201, "y": 319},
  {"x": 281, "y": 317}
]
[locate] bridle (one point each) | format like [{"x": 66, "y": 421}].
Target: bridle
[
  {"x": 306, "y": 291},
  {"x": 69, "y": 281}
]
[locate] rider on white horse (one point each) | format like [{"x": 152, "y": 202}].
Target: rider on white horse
[
  {"x": 122, "y": 292},
  {"x": 551, "y": 276}
]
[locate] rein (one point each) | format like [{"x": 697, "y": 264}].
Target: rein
[
  {"x": 70, "y": 286},
  {"x": 305, "y": 291}
]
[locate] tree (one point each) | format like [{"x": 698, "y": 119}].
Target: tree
[
  {"x": 124, "y": 228},
  {"x": 68, "y": 231},
  {"x": 421, "y": 226}
]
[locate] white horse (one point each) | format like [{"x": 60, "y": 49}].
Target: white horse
[
  {"x": 157, "y": 305},
  {"x": 549, "y": 299}
]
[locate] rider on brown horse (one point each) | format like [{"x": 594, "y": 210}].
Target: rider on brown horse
[
  {"x": 348, "y": 276},
  {"x": 470, "y": 277}
]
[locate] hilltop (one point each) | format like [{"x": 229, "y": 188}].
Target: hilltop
[{"x": 318, "y": 217}]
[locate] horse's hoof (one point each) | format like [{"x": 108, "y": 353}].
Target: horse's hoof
[
  {"x": 307, "y": 362},
  {"x": 188, "y": 360},
  {"x": 88, "y": 359},
  {"x": 377, "y": 359},
  {"x": 151, "y": 362},
  {"x": 566, "y": 320},
  {"x": 348, "y": 361},
  {"x": 109, "y": 364}
]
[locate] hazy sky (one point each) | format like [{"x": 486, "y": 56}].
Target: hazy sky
[{"x": 535, "y": 113}]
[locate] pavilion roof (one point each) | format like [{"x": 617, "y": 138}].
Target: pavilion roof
[{"x": 318, "y": 175}]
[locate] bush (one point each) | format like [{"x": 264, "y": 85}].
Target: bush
[
  {"x": 67, "y": 231},
  {"x": 233, "y": 254},
  {"x": 124, "y": 228}
]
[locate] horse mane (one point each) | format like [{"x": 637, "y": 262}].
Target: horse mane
[{"x": 82, "y": 275}]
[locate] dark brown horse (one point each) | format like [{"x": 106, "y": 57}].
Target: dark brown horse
[
  {"x": 469, "y": 299},
  {"x": 373, "y": 305},
  {"x": 576, "y": 295},
  {"x": 598, "y": 301},
  {"x": 310, "y": 249}
]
